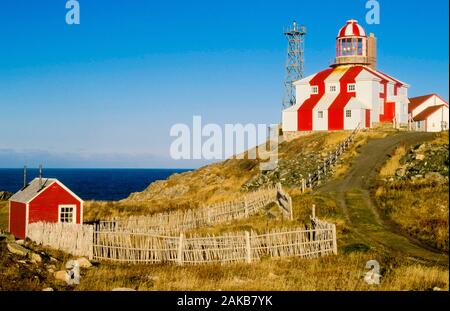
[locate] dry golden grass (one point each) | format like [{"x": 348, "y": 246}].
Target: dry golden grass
[
  {"x": 4, "y": 214},
  {"x": 420, "y": 209},
  {"x": 343, "y": 272},
  {"x": 391, "y": 165}
]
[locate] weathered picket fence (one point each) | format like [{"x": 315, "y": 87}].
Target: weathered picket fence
[
  {"x": 322, "y": 170},
  {"x": 140, "y": 247},
  {"x": 71, "y": 238},
  {"x": 180, "y": 220},
  {"x": 133, "y": 247}
]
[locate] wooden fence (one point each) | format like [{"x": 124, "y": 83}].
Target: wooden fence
[
  {"x": 141, "y": 247},
  {"x": 177, "y": 221},
  {"x": 322, "y": 170},
  {"x": 72, "y": 238},
  {"x": 133, "y": 247}
]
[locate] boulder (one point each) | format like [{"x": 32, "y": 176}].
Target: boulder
[
  {"x": 400, "y": 172},
  {"x": 20, "y": 242},
  {"x": 84, "y": 263},
  {"x": 48, "y": 289},
  {"x": 123, "y": 289},
  {"x": 17, "y": 249},
  {"x": 61, "y": 275},
  {"x": 35, "y": 257},
  {"x": 420, "y": 157},
  {"x": 7, "y": 237}
]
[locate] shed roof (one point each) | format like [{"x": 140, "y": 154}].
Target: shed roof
[
  {"x": 417, "y": 101},
  {"x": 25, "y": 195},
  {"x": 427, "y": 112}
]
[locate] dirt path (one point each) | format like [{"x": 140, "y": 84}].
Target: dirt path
[{"x": 352, "y": 192}]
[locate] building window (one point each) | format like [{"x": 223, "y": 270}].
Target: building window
[
  {"x": 351, "y": 87},
  {"x": 320, "y": 114},
  {"x": 348, "y": 113},
  {"x": 332, "y": 88},
  {"x": 67, "y": 213},
  {"x": 314, "y": 90}
]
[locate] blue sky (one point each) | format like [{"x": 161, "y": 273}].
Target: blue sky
[{"x": 106, "y": 92}]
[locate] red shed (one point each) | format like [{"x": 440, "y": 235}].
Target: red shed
[{"x": 44, "y": 199}]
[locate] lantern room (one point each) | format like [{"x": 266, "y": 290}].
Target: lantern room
[{"x": 354, "y": 47}]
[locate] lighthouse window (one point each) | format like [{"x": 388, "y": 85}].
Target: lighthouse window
[
  {"x": 320, "y": 114},
  {"x": 332, "y": 88},
  {"x": 360, "y": 46},
  {"x": 315, "y": 90},
  {"x": 67, "y": 213},
  {"x": 348, "y": 113},
  {"x": 351, "y": 87}
]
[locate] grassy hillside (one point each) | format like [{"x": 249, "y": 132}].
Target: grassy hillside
[
  {"x": 222, "y": 181},
  {"x": 413, "y": 191}
]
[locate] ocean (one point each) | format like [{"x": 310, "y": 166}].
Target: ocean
[{"x": 91, "y": 184}]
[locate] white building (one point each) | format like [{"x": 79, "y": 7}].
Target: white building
[
  {"x": 429, "y": 113},
  {"x": 350, "y": 93}
]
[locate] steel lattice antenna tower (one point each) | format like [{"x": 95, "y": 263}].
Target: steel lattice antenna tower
[{"x": 294, "y": 62}]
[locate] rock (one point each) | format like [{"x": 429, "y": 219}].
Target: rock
[
  {"x": 61, "y": 275},
  {"x": 400, "y": 172},
  {"x": 420, "y": 157},
  {"x": 20, "y": 242},
  {"x": 35, "y": 257},
  {"x": 53, "y": 259},
  {"x": 48, "y": 289},
  {"x": 84, "y": 263},
  {"x": 17, "y": 249},
  {"x": 436, "y": 288},
  {"x": 5, "y": 195},
  {"x": 7, "y": 237},
  {"x": 50, "y": 270},
  {"x": 123, "y": 289}
]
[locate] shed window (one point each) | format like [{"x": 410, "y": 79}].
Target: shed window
[
  {"x": 320, "y": 114},
  {"x": 67, "y": 213},
  {"x": 348, "y": 113}
]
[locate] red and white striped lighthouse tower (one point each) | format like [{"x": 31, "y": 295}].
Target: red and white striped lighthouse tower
[{"x": 351, "y": 93}]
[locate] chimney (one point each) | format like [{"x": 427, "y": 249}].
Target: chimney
[
  {"x": 40, "y": 175},
  {"x": 372, "y": 51},
  {"x": 24, "y": 176}
]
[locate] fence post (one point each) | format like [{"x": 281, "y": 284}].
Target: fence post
[
  {"x": 314, "y": 211},
  {"x": 309, "y": 180},
  {"x": 248, "y": 248},
  {"x": 334, "y": 239},
  {"x": 245, "y": 207},
  {"x": 291, "y": 208},
  {"x": 91, "y": 239},
  {"x": 180, "y": 249}
]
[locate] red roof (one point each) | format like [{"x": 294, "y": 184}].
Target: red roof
[
  {"x": 351, "y": 29},
  {"x": 427, "y": 112},
  {"x": 417, "y": 101}
]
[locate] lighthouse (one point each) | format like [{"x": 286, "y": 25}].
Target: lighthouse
[{"x": 351, "y": 93}]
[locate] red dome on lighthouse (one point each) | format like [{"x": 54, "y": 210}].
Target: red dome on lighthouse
[{"x": 352, "y": 29}]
